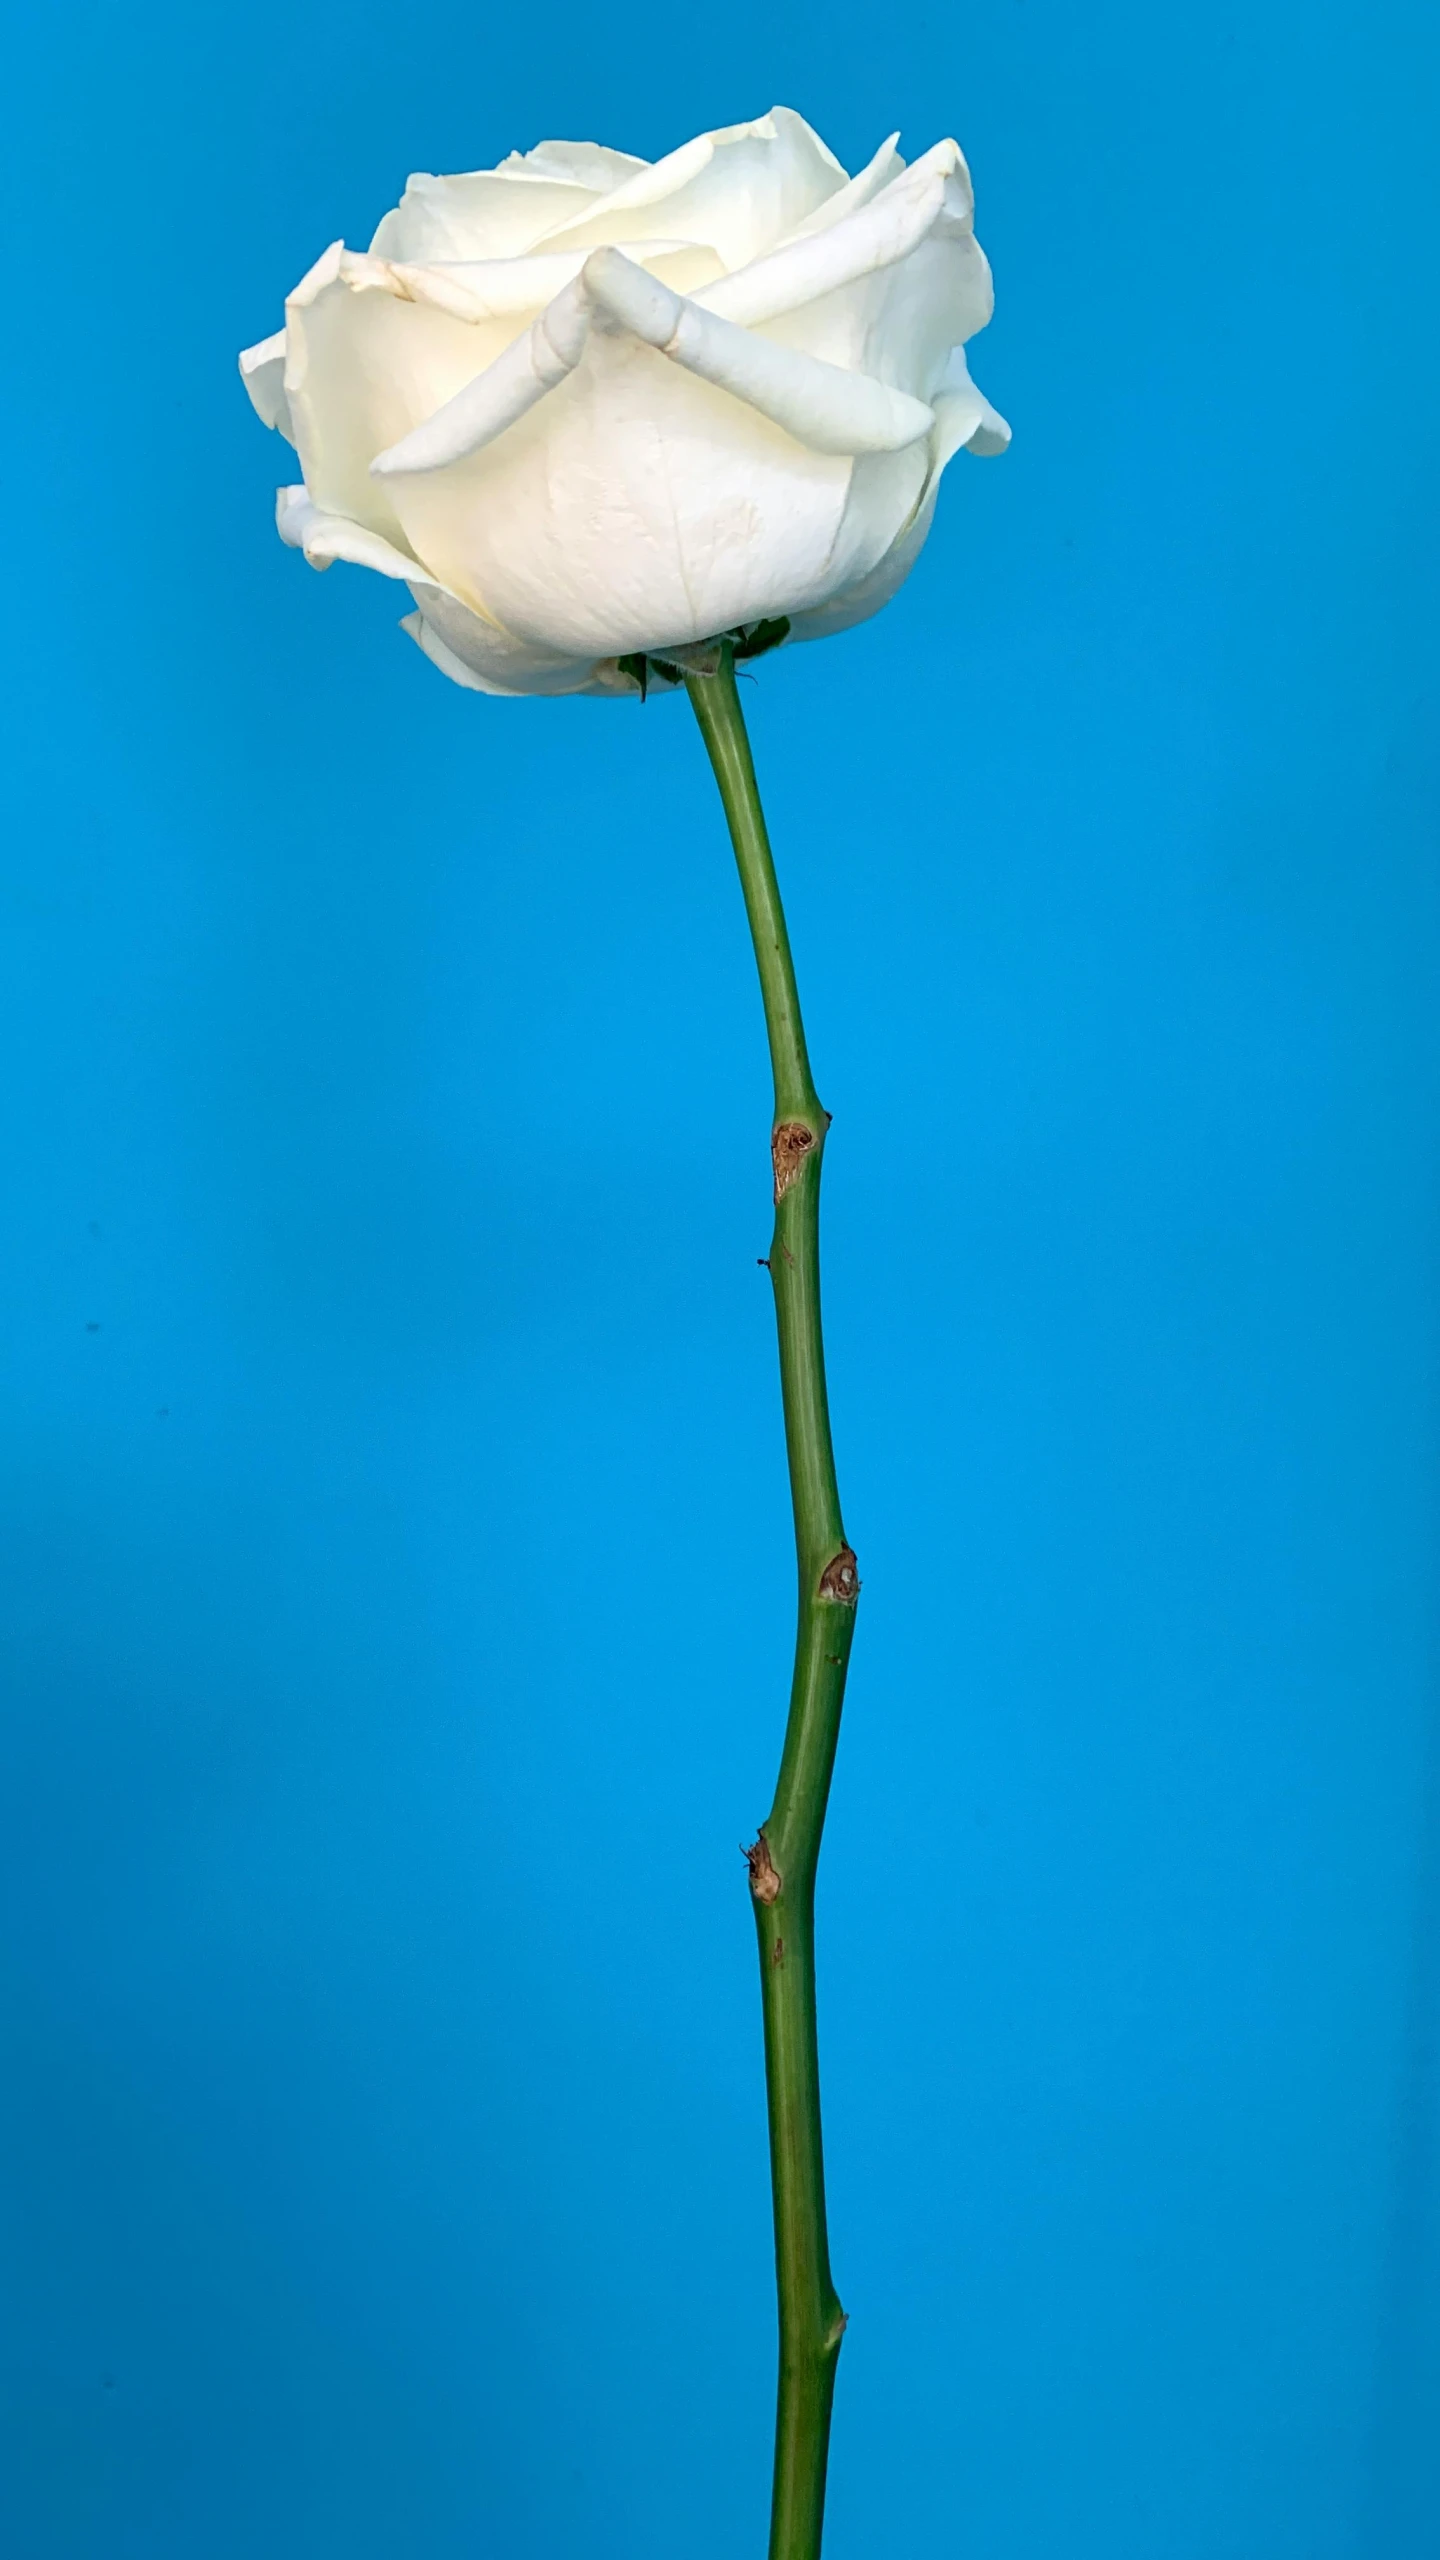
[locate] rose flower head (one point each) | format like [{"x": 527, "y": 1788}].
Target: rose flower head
[{"x": 597, "y": 413}]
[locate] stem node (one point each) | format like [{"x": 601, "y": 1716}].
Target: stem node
[
  {"x": 764, "y": 1875},
  {"x": 841, "y": 1578},
  {"x": 790, "y": 1144}
]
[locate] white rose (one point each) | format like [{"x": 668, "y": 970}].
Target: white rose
[{"x": 587, "y": 407}]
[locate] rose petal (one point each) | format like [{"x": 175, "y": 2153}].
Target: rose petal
[
  {"x": 638, "y": 505},
  {"x": 892, "y": 288},
  {"x": 325, "y": 537},
  {"x": 473, "y": 653},
  {"x": 877, "y": 173},
  {"x": 866, "y": 596},
  {"x": 991, "y": 436},
  {"x": 740, "y": 188},
  {"x": 821, "y": 406},
  {"x": 489, "y": 658},
  {"x": 518, "y": 288},
  {"x": 530, "y": 366},
  {"x": 581, "y": 164},
  {"x": 365, "y": 362},
  {"x": 963, "y": 417},
  {"x": 914, "y": 314},
  {"x": 262, "y": 370},
  {"x": 488, "y": 213},
  {"x": 876, "y": 234}
]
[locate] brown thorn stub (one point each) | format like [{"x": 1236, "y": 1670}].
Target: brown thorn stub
[
  {"x": 764, "y": 1875},
  {"x": 841, "y": 1577},
  {"x": 777, "y": 1952},
  {"x": 790, "y": 1144}
]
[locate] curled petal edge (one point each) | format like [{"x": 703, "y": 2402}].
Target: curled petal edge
[
  {"x": 934, "y": 194},
  {"x": 964, "y": 420},
  {"x": 820, "y": 405},
  {"x": 497, "y": 663},
  {"x": 474, "y": 289},
  {"x": 573, "y": 676},
  {"x": 877, "y": 173},
  {"x": 262, "y": 370},
  {"x": 325, "y": 538}
]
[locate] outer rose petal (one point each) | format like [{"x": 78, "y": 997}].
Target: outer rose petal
[
  {"x": 324, "y": 537},
  {"x": 491, "y": 213},
  {"x": 515, "y": 289},
  {"x": 580, "y": 164},
  {"x": 828, "y": 408},
  {"x": 636, "y": 506},
  {"x": 491, "y": 661},
  {"x": 472, "y": 653},
  {"x": 262, "y": 370},
  {"x": 740, "y": 188},
  {"x": 877, "y": 173},
  {"x": 876, "y": 232},
  {"x": 893, "y": 288},
  {"x": 363, "y": 366},
  {"x": 500, "y": 213},
  {"x": 963, "y": 416}
]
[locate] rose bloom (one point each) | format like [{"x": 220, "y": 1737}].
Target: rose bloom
[{"x": 587, "y": 407}]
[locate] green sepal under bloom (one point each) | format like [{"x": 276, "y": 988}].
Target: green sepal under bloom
[
  {"x": 702, "y": 657},
  {"x": 762, "y": 636}
]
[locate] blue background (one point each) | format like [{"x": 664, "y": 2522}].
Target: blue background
[{"x": 396, "y": 1550}]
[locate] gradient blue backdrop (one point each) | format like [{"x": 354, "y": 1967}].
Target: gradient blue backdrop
[{"x": 395, "y": 1537}]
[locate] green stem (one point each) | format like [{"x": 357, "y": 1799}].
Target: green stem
[{"x": 784, "y": 1858}]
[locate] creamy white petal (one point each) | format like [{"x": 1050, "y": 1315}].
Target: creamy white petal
[
  {"x": 428, "y": 639},
  {"x": 990, "y": 437},
  {"x": 580, "y": 164},
  {"x": 517, "y": 288},
  {"x": 262, "y": 370},
  {"x": 365, "y": 363},
  {"x": 637, "y": 506},
  {"x": 857, "y": 191},
  {"x": 899, "y": 319},
  {"x": 325, "y": 537},
  {"x": 488, "y": 213},
  {"x": 491, "y": 659},
  {"x": 475, "y": 654},
  {"x": 740, "y": 188},
  {"x": 876, "y": 234},
  {"x": 505, "y": 288},
  {"x": 827, "y": 410},
  {"x": 821, "y": 405},
  {"x": 529, "y": 367},
  {"x": 963, "y": 417},
  {"x": 491, "y": 288},
  {"x": 917, "y": 311},
  {"x": 860, "y": 601}
]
